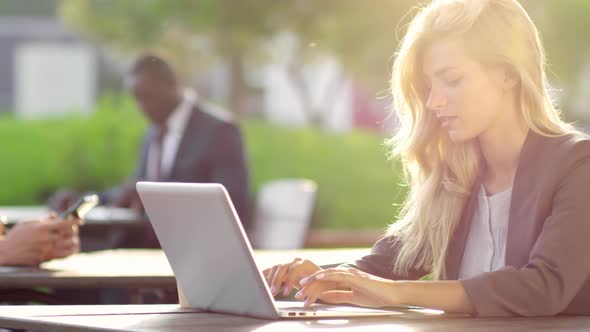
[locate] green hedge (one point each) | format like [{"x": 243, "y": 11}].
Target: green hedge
[
  {"x": 78, "y": 152},
  {"x": 358, "y": 186}
]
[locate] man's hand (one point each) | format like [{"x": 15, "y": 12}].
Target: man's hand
[
  {"x": 33, "y": 242},
  {"x": 68, "y": 241}
]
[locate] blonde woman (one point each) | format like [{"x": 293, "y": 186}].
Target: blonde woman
[{"x": 499, "y": 204}]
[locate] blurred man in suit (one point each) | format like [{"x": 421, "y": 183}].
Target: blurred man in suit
[{"x": 188, "y": 140}]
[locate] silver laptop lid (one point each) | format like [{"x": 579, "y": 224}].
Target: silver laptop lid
[{"x": 207, "y": 248}]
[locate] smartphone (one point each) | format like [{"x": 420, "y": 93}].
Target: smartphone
[
  {"x": 80, "y": 207},
  {"x": 77, "y": 210}
]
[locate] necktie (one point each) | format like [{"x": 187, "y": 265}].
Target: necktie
[
  {"x": 159, "y": 149},
  {"x": 150, "y": 237}
]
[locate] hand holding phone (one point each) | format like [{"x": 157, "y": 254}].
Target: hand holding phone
[{"x": 80, "y": 207}]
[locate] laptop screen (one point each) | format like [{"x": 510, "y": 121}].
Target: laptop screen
[{"x": 207, "y": 248}]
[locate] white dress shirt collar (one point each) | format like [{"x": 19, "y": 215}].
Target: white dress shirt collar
[
  {"x": 179, "y": 117},
  {"x": 175, "y": 127}
]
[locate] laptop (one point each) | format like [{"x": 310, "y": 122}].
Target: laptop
[{"x": 212, "y": 259}]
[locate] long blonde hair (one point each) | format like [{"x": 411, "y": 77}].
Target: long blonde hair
[{"x": 441, "y": 173}]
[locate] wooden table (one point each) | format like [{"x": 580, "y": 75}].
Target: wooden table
[
  {"x": 99, "y": 233},
  {"x": 97, "y": 216},
  {"x": 139, "y": 268},
  {"x": 172, "y": 318}
]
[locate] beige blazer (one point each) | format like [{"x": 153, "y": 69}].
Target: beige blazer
[{"x": 547, "y": 270}]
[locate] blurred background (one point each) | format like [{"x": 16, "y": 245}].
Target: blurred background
[{"x": 308, "y": 81}]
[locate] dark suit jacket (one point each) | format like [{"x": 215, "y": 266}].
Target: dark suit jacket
[
  {"x": 210, "y": 151},
  {"x": 547, "y": 271}
]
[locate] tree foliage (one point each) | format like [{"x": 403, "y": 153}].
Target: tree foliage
[{"x": 363, "y": 35}]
